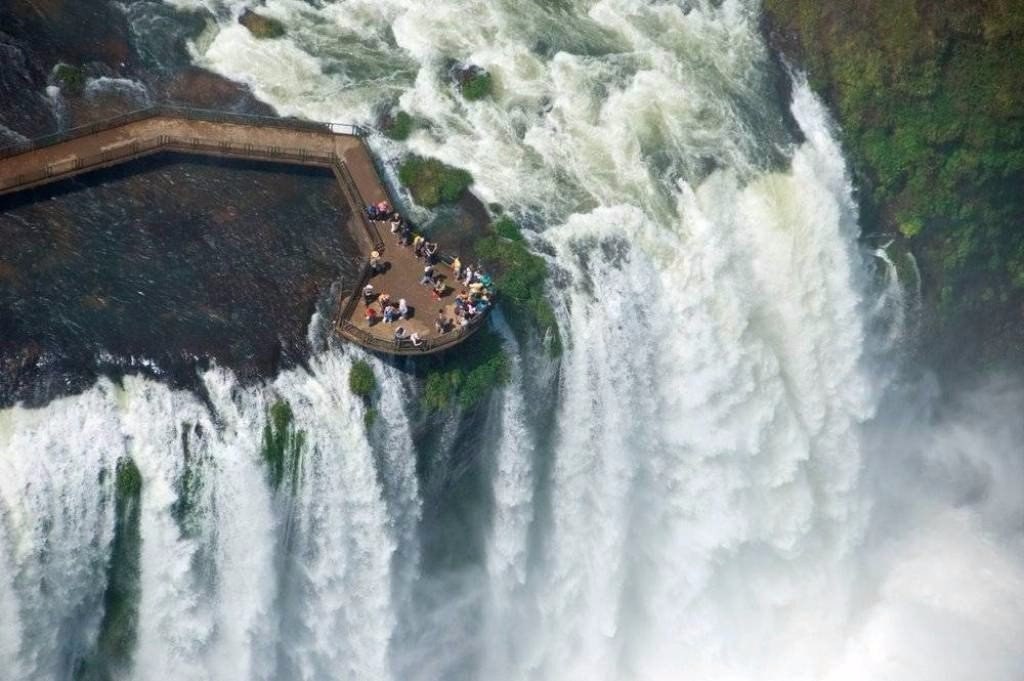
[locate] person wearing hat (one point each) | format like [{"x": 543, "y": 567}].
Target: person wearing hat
[{"x": 376, "y": 264}]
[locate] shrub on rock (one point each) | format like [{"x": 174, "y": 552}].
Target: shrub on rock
[
  {"x": 398, "y": 127},
  {"x": 474, "y": 82},
  {"x": 70, "y": 79},
  {"x": 431, "y": 182},
  {"x": 361, "y": 380}
]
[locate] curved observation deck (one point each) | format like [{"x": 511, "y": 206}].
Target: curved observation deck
[{"x": 339, "y": 147}]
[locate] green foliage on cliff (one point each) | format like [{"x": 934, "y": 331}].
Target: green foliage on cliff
[
  {"x": 929, "y": 97},
  {"x": 432, "y": 182},
  {"x": 521, "y": 280},
  {"x": 260, "y": 26},
  {"x": 282, "y": 446},
  {"x": 361, "y": 380},
  {"x": 115, "y": 644},
  {"x": 507, "y": 228},
  {"x": 467, "y": 374}
]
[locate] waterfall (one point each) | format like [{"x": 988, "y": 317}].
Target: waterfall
[{"x": 720, "y": 482}]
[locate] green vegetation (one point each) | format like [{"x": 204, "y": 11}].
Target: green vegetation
[
  {"x": 260, "y": 26},
  {"x": 929, "y": 96},
  {"x": 400, "y": 127},
  {"x": 507, "y": 228},
  {"x": 466, "y": 376},
  {"x": 70, "y": 79},
  {"x": 521, "y": 280},
  {"x": 361, "y": 380},
  {"x": 432, "y": 182},
  {"x": 282, "y": 446},
  {"x": 369, "y": 417},
  {"x": 189, "y": 488},
  {"x": 363, "y": 383},
  {"x": 475, "y": 84},
  {"x": 115, "y": 644}
]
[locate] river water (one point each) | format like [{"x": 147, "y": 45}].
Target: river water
[{"x": 721, "y": 478}]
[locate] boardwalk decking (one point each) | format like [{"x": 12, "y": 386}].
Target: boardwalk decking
[{"x": 340, "y": 148}]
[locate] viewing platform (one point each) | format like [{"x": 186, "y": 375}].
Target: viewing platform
[{"x": 338, "y": 147}]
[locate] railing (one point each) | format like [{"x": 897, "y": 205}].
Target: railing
[
  {"x": 170, "y": 142},
  {"x": 186, "y": 113},
  {"x": 142, "y": 147},
  {"x": 392, "y": 345},
  {"x": 406, "y": 346},
  {"x": 357, "y": 200}
]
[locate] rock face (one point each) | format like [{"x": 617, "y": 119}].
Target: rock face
[
  {"x": 65, "y": 63},
  {"x": 928, "y": 96},
  {"x": 260, "y": 26},
  {"x": 163, "y": 263},
  {"x": 25, "y": 110},
  {"x": 259, "y": 255}
]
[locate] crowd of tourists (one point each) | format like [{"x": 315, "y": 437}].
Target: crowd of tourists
[{"x": 475, "y": 287}]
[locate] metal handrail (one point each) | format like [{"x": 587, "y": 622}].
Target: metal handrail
[
  {"x": 184, "y": 112},
  {"x": 426, "y": 344},
  {"x": 357, "y": 198}
]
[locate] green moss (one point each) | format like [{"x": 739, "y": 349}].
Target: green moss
[
  {"x": 129, "y": 481},
  {"x": 189, "y": 488},
  {"x": 115, "y": 645},
  {"x": 400, "y": 127},
  {"x": 911, "y": 228},
  {"x": 932, "y": 115},
  {"x": 432, "y": 182},
  {"x": 476, "y": 85},
  {"x": 282, "y": 446},
  {"x": 70, "y": 79},
  {"x": 507, "y": 228},
  {"x": 466, "y": 376},
  {"x": 260, "y": 26},
  {"x": 521, "y": 281},
  {"x": 370, "y": 417},
  {"x": 361, "y": 380}
]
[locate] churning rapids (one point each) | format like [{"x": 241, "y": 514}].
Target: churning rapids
[{"x": 716, "y": 481}]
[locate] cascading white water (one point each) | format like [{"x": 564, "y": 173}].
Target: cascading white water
[
  {"x": 220, "y": 598},
  {"x": 508, "y": 549},
  {"x": 723, "y": 493}
]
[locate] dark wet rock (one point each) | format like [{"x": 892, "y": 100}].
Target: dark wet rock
[
  {"x": 248, "y": 312},
  {"x": 261, "y": 26},
  {"x": 193, "y": 86},
  {"x": 24, "y": 108},
  {"x": 160, "y": 33},
  {"x": 106, "y": 59},
  {"x": 161, "y": 265},
  {"x": 69, "y": 31}
]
